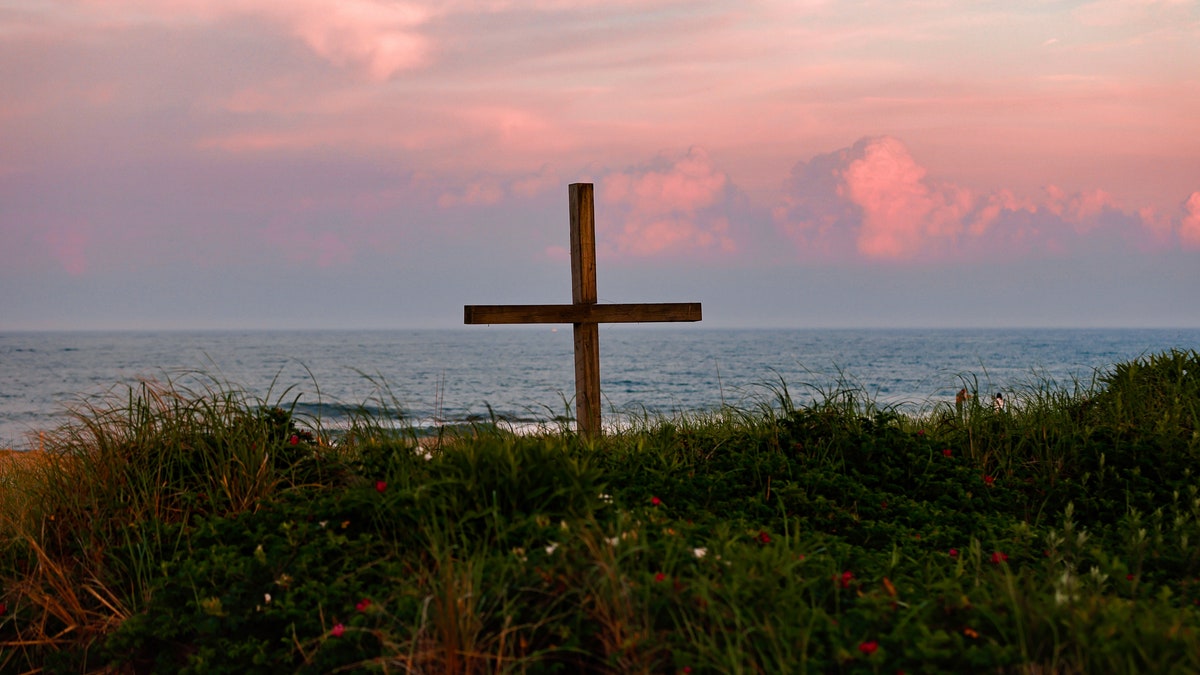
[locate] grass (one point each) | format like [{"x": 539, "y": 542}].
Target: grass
[{"x": 196, "y": 529}]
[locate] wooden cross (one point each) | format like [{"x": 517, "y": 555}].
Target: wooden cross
[{"x": 584, "y": 312}]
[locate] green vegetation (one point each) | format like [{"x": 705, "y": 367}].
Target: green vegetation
[{"x": 201, "y": 531}]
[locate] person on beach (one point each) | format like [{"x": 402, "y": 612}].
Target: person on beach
[
  {"x": 998, "y": 404},
  {"x": 960, "y": 399}
]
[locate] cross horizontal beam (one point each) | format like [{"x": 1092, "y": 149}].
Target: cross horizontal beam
[{"x": 581, "y": 313}]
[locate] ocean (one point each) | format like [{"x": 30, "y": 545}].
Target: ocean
[{"x": 525, "y": 375}]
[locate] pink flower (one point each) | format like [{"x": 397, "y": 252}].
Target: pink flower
[
  {"x": 294, "y": 439},
  {"x": 380, "y": 485},
  {"x": 953, "y": 553},
  {"x": 868, "y": 648},
  {"x": 363, "y": 604},
  {"x": 655, "y": 501},
  {"x": 764, "y": 538},
  {"x": 338, "y": 630},
  {"x": 999, "y": 557}
]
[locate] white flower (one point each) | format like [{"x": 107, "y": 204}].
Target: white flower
[
  {"x": 612, "y": 541},
  {"x": 550, "y": 548},
  {"x": 605, "y": 497},
  {"x": 267, "y": 598},
  {"x": 700, "y": 552}
]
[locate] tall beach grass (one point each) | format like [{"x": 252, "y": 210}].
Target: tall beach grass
[{"x": 189, "y": 527}]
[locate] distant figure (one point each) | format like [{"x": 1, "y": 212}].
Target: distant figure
[
  {"x": 998, "y": 404},
  {"x": 961, "y": 398}
]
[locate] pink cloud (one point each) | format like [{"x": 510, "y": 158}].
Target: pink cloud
[
  {"x": 379, "y": 38},
  {"x": 70, "y": 246},
  {"x": 1189, "y": 226},
  {"x": 903, "y": 212},
  {"x": 876, "y": 201},
  {"x": 674, "y": 205}
]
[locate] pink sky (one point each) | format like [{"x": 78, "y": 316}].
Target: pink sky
[{"x": 160, "y": 157}]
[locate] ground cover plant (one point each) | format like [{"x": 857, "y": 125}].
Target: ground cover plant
[{"x": 199, "y": 530}]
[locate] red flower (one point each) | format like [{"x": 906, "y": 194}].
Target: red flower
[
  {"x": 847, "y": 577},
  {"x": 999, "y": 557},
  {"x": 659, "y": 577},
  {"x": 947, "y": 452},
  {"x": 363, "y": 604},
  {"x": 868, "y": 648},
  {"x": 953, "y": 553},
  {"x": 338, "y": 630},
  {"x": 655, "y": 501},
  {"x": 989, "y": 479},
  {"x": 380, "y": 485},
  {"x": 294, "y": 439},
  {"x": 764, "y": 537},
  {"x": 920, "y": 432}
]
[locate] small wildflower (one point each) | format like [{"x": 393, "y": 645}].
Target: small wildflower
[
  {"x": 655, "y": 501},
  {"x": 700, "y": 552},
  {"x": 551, "y": 548},
  {"x": 989, "y": 479},
  {"x": 868, "y": 648},
  {"x": 947, "y": 452},
  {"x": 971, "y": 633},
  {"x": 920, "y": 432},
  {"x": 659, "y": 577},
  {"x": 338, "y": 630},
  {"x": 294, "y": 440},
  {"x": 380, "y": 485},
  {"x": 362, "y": 605},
  {"x": 953, "y": 553},
  {"x": 846, "y": 578},
  {"x": 764, "y": 538},
  {"x": 605, "y": 497},
  {"x": 999, "y": 557},
  {"x": 267, "y": 598},
  {"x": 1128, "y": 577},
  {"x": 323, "y": 523}
]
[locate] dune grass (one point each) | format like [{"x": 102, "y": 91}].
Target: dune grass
[{"x": 196, "y": 529}]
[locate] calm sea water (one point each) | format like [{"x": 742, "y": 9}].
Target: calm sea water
[{"x": 527, "y": 374}]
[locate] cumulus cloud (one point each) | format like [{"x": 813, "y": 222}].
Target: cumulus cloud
[
  {"x": 1189, "y": 226},
  {"x": 672, "y": 205},
  {"x": 874, "y": 200}
]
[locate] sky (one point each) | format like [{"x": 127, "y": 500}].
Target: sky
[{"x": 262, "y": 164}]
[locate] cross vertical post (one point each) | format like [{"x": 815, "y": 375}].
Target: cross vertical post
[
  {"x": 584, "y": 313},
  {"x": 583, "y": 292}
]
